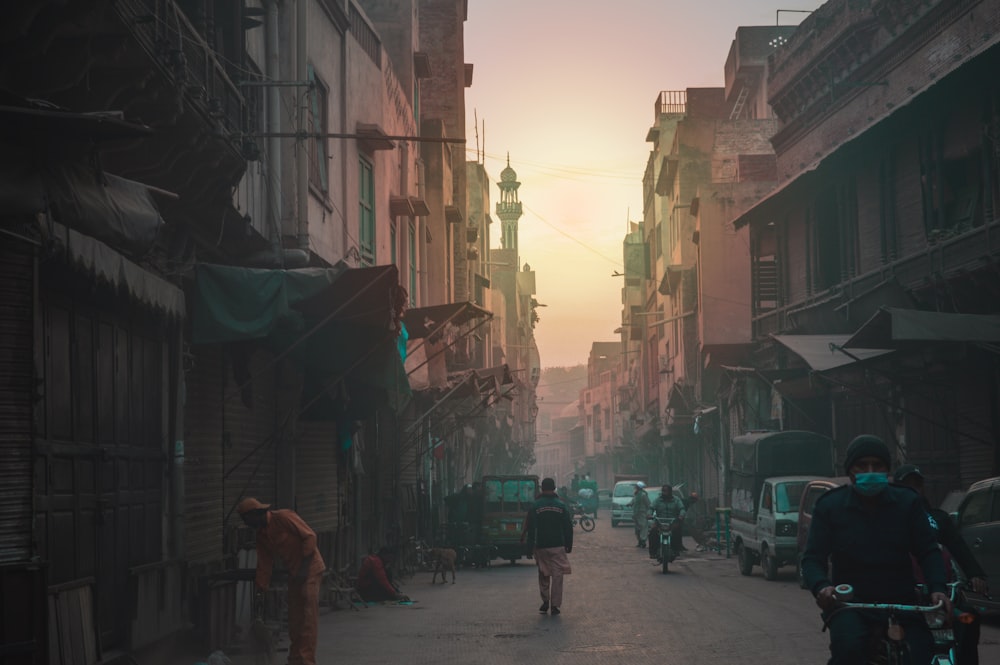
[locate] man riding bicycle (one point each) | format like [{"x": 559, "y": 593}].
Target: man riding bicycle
[{"x": 867, "y": 532}]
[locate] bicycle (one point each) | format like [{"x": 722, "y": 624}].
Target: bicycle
[
  {"x": 889, "y": 643},
  {"x": 585, "y": 521},
  {"x": 414, "y": 557}
]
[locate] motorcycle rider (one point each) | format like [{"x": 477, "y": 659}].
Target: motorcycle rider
[
  {"x": 669, "y": 506},
  {"x": 640, "y": 513},
  {"x": 867, "y": 532}
]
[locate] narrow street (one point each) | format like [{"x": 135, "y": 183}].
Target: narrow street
[{"x": 618, "y": 608}]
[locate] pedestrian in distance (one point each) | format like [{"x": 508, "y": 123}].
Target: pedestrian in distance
[
  {"x": 640, "y": 513},
  {"x": 864, "y": 534},
  {"x": 956, "y": 549},
  {"x": 548, "y": 534},
  {"x": 283, "y": 535}
]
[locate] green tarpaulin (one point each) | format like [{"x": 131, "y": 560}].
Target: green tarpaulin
[{"x": 335, "y": 322}]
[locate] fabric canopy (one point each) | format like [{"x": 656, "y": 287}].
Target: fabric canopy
[
  {"x": 892, "y": 327},
  {"x": 822, "y": 352},
  {"x": 335, "y": 322},
  {"x": 425, "y": 321}
]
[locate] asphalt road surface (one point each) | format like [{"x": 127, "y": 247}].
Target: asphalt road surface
[{"x": 618, "y": 608}]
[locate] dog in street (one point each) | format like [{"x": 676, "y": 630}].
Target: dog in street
[{"x": 444, "y": 560}]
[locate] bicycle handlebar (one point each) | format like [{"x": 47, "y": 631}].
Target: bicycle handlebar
[{"x": 843, "y": 593}]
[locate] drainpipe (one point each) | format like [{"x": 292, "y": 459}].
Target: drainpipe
[
  {"x": 302, "y": 154},
  {"x": 272, "y": 66}
]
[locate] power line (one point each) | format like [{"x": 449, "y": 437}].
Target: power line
[{"x": 597, "y": 252}]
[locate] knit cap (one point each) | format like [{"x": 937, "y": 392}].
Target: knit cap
[{"x": 866, "y": 445}]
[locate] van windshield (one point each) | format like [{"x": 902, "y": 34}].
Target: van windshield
[
  {"x": 787, "y": 496},
  {"x": 625, "y": 490}
]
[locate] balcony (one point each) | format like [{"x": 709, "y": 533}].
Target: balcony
[
  {"x": 963, "y": 254},
  {"x": 144, "y": 59}
]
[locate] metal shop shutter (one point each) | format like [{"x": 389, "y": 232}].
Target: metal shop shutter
[
  {"x": 317, "y": 490},
  {"x": 252, "y": 435},
  {"x": 976, "y": 447},
  {"x": 203, "y": 441},
  {"x": 16, "y": 390}
]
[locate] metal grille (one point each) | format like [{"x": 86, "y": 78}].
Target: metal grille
[
  {"x": 317, "y": 491},
  {"x": 16, "y": 390},
  {"x": 203, "y": 457}
]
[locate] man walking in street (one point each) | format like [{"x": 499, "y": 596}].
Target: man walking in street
[
  {"x": 548, "y": 532},
  {"x": 282, "y": 534},
  {"x": 640, "y": 513}
]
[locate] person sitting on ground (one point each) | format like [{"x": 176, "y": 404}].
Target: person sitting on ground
[{"x": 373, "y": 583}]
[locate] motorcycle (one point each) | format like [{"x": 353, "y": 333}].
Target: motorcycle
[{"x": 663, "y": 528}]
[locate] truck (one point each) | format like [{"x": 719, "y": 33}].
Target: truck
[
  {"x": 621, "y": 496},
  {"x": 768, "y": 472}
]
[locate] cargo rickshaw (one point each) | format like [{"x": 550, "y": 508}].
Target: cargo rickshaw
[{"x": 506, "y": 501}]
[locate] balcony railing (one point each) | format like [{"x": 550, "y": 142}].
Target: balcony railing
[
  {"x": 944, "y": 258},
  {"x": 670, "y": 101},
  {"x": 164, "y": 32}
]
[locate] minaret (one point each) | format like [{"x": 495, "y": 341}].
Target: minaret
[{"x": 508, "y": 208}]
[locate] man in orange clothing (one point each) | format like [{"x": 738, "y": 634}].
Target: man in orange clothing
[{"x": 282, "y": 534}]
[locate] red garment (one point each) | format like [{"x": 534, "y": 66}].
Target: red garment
[
  {"x": 289, "y": 538},
  {"x": 373, "y": 584}
]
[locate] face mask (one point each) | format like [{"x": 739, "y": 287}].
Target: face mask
[{"x": 870, "y": 484}]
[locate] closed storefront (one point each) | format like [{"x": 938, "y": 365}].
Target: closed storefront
[
  {"x": 17, "y": 275},
  {"x": 21, "y": 584},
  {"x": 203, "y": 446},
  {"x": 977, "y": 410},
  {"x": 318, "y": 493},
  {"x": 102, "y": 430}
]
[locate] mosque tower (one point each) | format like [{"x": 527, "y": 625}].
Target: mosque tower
[{"x": 509, "y": 208}]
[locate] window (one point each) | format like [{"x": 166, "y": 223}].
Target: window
[
  {"x": 788, "y": 496},
  {"x": 887, "y": 209},
  {"x": 976, "y": 509},
  {"x": 366, "y": 212},
  {"x": 812, "y": 495},
  {"x": 317, "y": 125}
]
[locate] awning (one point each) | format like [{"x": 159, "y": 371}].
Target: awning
[
  {"x": 672, "y": 278},
  {"x": 334, "y": 322},
  {"x": 112, "y": 268},
  {"x": 494, "y": 378},
  {"x": 893, "y": 327},
  {"x": 423, "y": 322},
  {"x": 822, "y": 352}
]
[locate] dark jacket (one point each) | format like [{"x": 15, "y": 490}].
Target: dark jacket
[
  {"x": 869, "y": 547},
  {"x": 949, "y": 536},
  {"x": 548, "y": 523}
]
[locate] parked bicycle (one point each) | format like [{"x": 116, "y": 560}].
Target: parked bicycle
[
  {"x": 414, "y": 557},
  {"x": 585, "y": 521}
]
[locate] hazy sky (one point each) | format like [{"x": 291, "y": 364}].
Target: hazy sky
[{"x": 567, "y": 87}]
